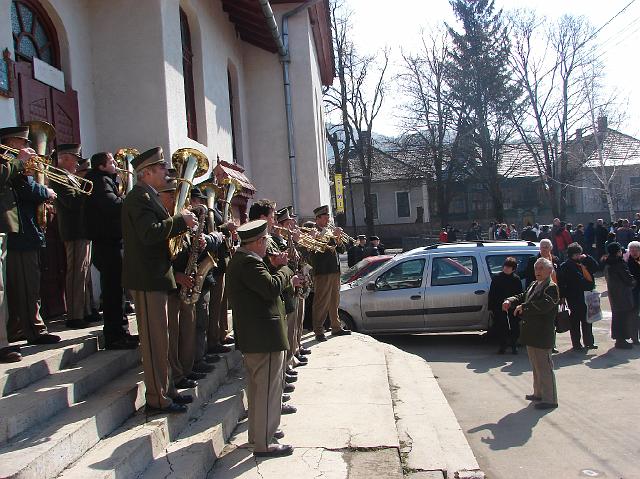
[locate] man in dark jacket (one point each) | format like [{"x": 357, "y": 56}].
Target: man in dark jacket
[
  {"x": 601, "y": 235},
  {"x": 69, "y": 205},
  {"x": 23, "y": 265},
  {"x": 147, "y": 272},
  {"x": 103, "y": 220},
  {"x": 575, "y": 276},
  {"x": 356, "y": 252},
  {"x": 374, "y": 247}
]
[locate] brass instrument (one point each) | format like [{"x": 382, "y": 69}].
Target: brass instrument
[
  {"x": 344, "y": 237},
  {"x": 204, "y": 266},
  {"x": 40, "y": 133},
  {"x": 124, "y": 157},
  {"x": 189, "y": 163},
  {"x": 233, "y": 187},
  {"x": 42, "y": 164},
  {"x": 191, "y": 295}
]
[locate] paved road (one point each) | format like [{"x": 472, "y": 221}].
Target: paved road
[{"x": 594, "y": 433}]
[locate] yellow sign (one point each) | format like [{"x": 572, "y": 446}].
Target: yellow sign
[{"x": 339, "y": 193}]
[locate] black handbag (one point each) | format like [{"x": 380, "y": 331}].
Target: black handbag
[{"x": 563, "y": 321}]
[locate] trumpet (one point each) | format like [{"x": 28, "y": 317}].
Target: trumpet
[
  {"x": 344, "y": 237},
  {"x": 306, "y": 240},
  {"x": 42, "y": 164}
]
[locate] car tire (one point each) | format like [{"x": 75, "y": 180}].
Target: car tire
[{"x": 347, "y": 321}]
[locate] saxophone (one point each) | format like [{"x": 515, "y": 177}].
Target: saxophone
[{"x": 191, "y": 295}]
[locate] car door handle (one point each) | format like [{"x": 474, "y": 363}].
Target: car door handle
[
  {"x": 479, "y": 291},
  {"x": 416, "y": 296}
]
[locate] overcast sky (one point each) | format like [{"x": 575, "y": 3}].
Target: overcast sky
[{"x": 397, "y": 24}]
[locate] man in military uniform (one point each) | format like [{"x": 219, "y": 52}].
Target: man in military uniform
[
  {"x": 69, "y": 205},
  {"x": 326, "y": 279},
  {"x": 14, "y": 137},
  {"x": 374, "y": 247},
  {"x": 260, "y": 332},
  {"x": 356, "y": 252},
  {"x": 146, "y": 228}
]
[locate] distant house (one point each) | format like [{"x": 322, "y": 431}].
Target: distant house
[{"x": 402, "y": 186}]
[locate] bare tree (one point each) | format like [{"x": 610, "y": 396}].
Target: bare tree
[
  {"x": 431, "y": 118},
  {"x": 359, "y": 98}
]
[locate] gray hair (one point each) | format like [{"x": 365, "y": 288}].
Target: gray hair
[
  {"x": 548, "y": 265},
  {"x": 634, "y": 244},
  {"x": 547, "y": 242}
]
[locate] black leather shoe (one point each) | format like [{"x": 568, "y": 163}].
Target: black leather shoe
[
  {"x": 228, "y": 340},
  {"x": 171, "y": 408},
  {"x": 341, "y": 332},
  {"x": 203, "y": 368},
  {"x": 285, "y": 397},
  {"x": 278, "y": 434},
  {"x": 290, "y": 379},
  {"x": 76, "y": 324},
  {"x": 183, "y": 399},
  {"x": 289, "y": 409},
  {"x": 291, "y": 371},
  {"x": 275, "y": 451},
  {"x": 289, "y": 388},
  {"x": 304, "y": 351},
  {"x": 555, "y": 350},
  {"x": 302, "y": 359},
  {"x": 186, "y": 384},
  {"x": 531, "y": 397},
  {"x": 121, "y": 343},
  {"x": 546, "y": 405},
  {"x": 196, "y": 376},
  {"x": 45, "y": 339},
  {"x": 10, "y": 355},
  {"x": 593, "y": 346},
  {"x": 321, "y": 338}
]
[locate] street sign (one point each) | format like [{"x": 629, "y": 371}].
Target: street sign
[{"x": 339, "y": 193}]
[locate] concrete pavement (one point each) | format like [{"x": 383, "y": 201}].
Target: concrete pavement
[{"x": 352, "y": 397}]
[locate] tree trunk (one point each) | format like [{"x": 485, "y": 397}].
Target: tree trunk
[
  {"x": 368, "y": 207},
  {"x": 443, "y": 204}
]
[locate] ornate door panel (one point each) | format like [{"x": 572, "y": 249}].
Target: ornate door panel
[
  {"x": 65, "y": 116},
  {"x": 34, "y": 97}
]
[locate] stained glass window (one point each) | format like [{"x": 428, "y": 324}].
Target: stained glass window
[{"x": 33, "y": 37}]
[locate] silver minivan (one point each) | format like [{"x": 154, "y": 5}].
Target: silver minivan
[{"x": 443, "y": 287}]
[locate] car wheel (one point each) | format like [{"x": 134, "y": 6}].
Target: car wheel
[{"x": 347, "y": 321}]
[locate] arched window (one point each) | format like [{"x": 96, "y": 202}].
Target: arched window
[
  {"x": 187, "y": 73},
  {"x": 33, "y": 33}
]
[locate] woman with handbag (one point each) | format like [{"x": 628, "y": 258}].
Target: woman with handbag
[
  {"x": 620, "y": 285},
  {"x": 634, "y": 268},
  {"x": 575, "y": 276},
  {"x": 537, "y": 308}
]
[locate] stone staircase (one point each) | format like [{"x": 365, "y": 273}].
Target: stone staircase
[{"x": 74, "y": 410}]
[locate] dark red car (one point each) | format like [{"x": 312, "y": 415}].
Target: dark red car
[{"x": 364, "y": 267}]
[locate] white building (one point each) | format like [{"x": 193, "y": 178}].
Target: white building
[{"x": 206, "y": 74}]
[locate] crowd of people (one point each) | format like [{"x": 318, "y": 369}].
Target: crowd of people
[
  {"x": 362, "y": 249},
  {"x": 182, "y": 266}
]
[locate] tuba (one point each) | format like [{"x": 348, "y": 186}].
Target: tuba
[
  {"x": 40, "y": 134},
  {"x": 125, "y": 172},
  {"x": 233, "y": 187},
  {"x": 189, "y": 164}
]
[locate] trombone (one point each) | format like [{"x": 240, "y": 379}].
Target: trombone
[{"x": 42, "y": 164}]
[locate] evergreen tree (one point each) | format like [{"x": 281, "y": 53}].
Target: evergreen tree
[{"x": 481, "y": 78}]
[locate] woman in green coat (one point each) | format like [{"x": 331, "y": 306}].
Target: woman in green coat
[{"x": 538, "y": 307}]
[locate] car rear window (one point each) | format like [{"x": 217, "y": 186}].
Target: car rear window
[
  {"x": 450, "y": 270},
  {"x": 494, "y": 263}
]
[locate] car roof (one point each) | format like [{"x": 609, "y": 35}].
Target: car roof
[{"x": 490, "y": 245}]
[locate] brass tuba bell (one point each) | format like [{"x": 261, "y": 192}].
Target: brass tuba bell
[{"x": 40, "y": 134}]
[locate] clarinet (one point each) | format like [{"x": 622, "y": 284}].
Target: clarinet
[{"x": 191, "y": 295}]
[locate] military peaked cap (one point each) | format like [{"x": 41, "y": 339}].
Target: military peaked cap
[
  {"x": 252, "y": 231},
  {"x": 148, "y": 158},
  {"x": 21, "y": 132},
  {"x": 321, "y": 210}
]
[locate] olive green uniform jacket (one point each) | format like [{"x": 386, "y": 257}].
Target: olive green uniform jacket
[
  {"x": 9, "y": 219},
  {"x": 70, "y": 212},
  {"x": 329, "y": 261},
  {"x": 146, "y": 229},
  {"x": 539, "y": 310},
  {"x": 254, "y": 296}
]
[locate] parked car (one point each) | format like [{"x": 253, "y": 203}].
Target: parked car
[
  {"x": 364, "y": 267},
  {"x": 442, "y": 287}
]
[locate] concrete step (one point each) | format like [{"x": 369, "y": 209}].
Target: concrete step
[
  {"x": 129, "y": 450},
  {"x": 43, "y": 452},
  {"x": 43, "y": 399},
  {"x": 194, "y": 453},
  {"x": 40, "y": 361}
]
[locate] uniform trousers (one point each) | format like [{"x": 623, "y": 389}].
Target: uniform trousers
[
  {"x": 153, "y": 328},
  {"x": 77, "y": 285},
  {"x": 264, "y": 391},
  {"x": 302, "y": 307},
  {"x": 326, "y": 297},
  {"x": 218, "y": 321},
  {"x": 182, "y": 337},
  {"x": 107, "y": 259},
  {"x": 4, "y": 340},
  {"x": 23, "y": 295},
  {"x": 202, "y": 326},
  {"x": 544, "y": 380}
]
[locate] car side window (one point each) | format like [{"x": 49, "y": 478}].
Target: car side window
[
  {"x": 402, "y": 276},
  {"x": 494, "y": 263},
  {"x": 450, "y": 270}
]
